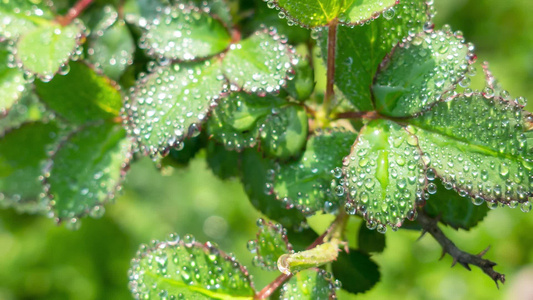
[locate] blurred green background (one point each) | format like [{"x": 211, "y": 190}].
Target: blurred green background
[{"x": 39, "y": 260}]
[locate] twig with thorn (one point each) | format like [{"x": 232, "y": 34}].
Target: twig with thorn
[{"x": 430, "y": 226}]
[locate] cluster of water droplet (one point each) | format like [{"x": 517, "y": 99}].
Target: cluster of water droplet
[
  {"x": 107, "y": 55},
  {"x": 445, "y": 58},
  {"x": 314, "y": 182},
  {"x": 489, "y": 156},
  {"x": 184, "y": 32},
  {"x": 16, "y": 18},
  {"x": 70, "y": 198},
  {"x": 14, "y": 85},
  {"x": 384, "y": 176},
  {"x": 364, "y": 14},
  {"x": 260, "y": 64},
  {"x": 181, "y": 268},
  {"x": 271, "y": 243},
  {"x": 313, "y": 283},
  {"x": 171, "y": 104}
]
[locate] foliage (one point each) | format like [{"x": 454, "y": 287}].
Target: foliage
[{"x": 405, "y": 135}]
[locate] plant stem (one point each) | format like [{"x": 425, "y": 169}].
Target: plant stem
[
  {"x": 465, "y": 259},
  {"x": 332, "y": 49},
  {"x": 74, "y": 12}
]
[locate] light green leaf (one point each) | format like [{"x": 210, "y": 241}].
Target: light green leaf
[
  {"x": 303, "y": 84},
  {"x": 419, "y": 71},
  {"x": 27, "y": 109},
  {"x": 311, "y": 183},
  {"x": 185, "y": 33},
  {"x": 357, "y": 271},
  {"x": 111, "y": 45},
  {"x": 271, "y": 243},
  {"x": 12, "y": 83},
  {"x": 453, "y": 210},
  {"x": 172, "y": 103},
  {"x": 479, "y": 147},
  {"x": 261, "y": 63},
  {"x": 317, "y": 13},
  {"x": 23, "y": 152},
  {"x": 81, "y": 95},
  {"x": 256, "y": 179},
  {"x": 100, "y": 154},
  {"x": 284, "y": 133},
  {"x": 312, "y": 284},
  {"x": 236, "y": 121},
  {"x": 21, "y": 16},
  {"x": 183, "y": 268},
  {"x": 384, "y": 174},
  {"x": 361, "y": 49},
  {"x": 45, "y": 50}
]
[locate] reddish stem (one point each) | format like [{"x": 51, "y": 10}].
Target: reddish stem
[
  {"x": 332, "y": 46},
  {"x": 74, "y": 12},
  {"x": 368, "y": 115}
]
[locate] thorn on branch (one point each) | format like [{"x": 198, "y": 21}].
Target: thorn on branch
[{"x": 465, "y": 259}]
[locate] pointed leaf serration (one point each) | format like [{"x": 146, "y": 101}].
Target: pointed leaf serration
[
  {"x": 384, "y": 174},
  {"x": 182, "y": 268}
]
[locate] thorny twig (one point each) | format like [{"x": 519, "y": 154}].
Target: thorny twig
[{"x": 430, "y": 226}]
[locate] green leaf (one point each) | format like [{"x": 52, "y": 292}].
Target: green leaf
[
  {"x": 419, "y": 71},
  {"x": 361, "y": 49},
  {"x": 172, "y": 103},
  {"x": 479, "y": 147},
  {"x": 284, "y": 134},
  {"x": 139, "y": 12},
  {"x": 185, "y": 33},
  {"x": 370, "y": 240},
  {"x": 453, "y": 210},
  {"x": 22, "y": 16},
  {"x": 222, "y": 162},
  {"x": 311, "y": 183},
  {"x": 23, "y": 152},
  {"x": 100, "y": 154},
  {"x": 236, "y": 121},
  {"x": 183, "y": 268},
  {"x": 384, "y": 174},
  {"x": 357, "y": 271},
  {"x": 46, "y": 50},
  {"x": 111, "y": 46},
  {"x": 261, "y": 63},
  {"x": 312, "y": 284},
  {"x": 12, "y": 83},
  {"x": 218, "y": 9},
  {"x": 303, "y": 84},
  {"x": 256, "y": 178},
  {"x": 316, "y": 13},
  {"x": 27, "y": 109},
  {"x": 82, "y": 95},
  {"x": 271, "y": 243},
  {"x": 180, "y": 157}
]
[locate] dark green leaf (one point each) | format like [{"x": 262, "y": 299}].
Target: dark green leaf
[
  {"x": 303, "y": 84},
  {"x": 311, "y": 284},
  {"x": 223, "y": 163},
  {"x": 12, "y": 83},
  {"x": 217, "y": 8},
  {"x": 46, "y": 50},
  {"x": 357, "y": 271},
  {"x": 111, "y": 45},
  {"x": 139, "y": 12},
  {"x": 271, "y": 243},
  {"x": 23, "y": 152},
  {"x": 311, "y": 183},
  {"x": 284, "y": 134},
  {"x": 185, "y": 33},
  {"x": 172, "y": 103},
  {"x": 187, "y": 269},
  {"x": 361, "y": 49},
  {"x": 316, "y": 13},
  {"x": 478, "y": 146},
  {"x": 419, "y": 71},
  {"x": 256, "y": 175},
  {"x": 27, "y": 109},
  {"x": 82, "y": 95},
  {"x": 261, "y": 63},
  {"x": 384, "y": 174},
  {"x": 370, "y": 240},
  {"x": 453, "y": 210},
  {"x": 180, "y": 157},
  {"x": 100, "y": 154}
]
